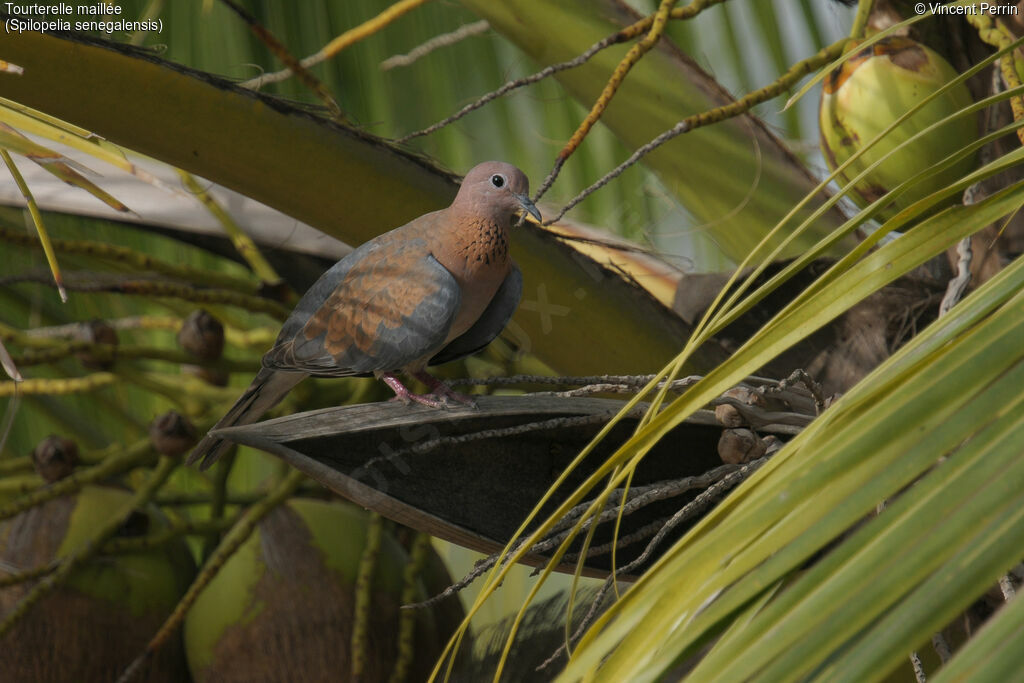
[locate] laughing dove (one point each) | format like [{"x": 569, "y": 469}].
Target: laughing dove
[{"x": 437, "y": 289}]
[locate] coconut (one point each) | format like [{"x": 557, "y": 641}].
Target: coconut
[
  {"x": 202, "y": 335},
  {"x": 55, "y": 458},
  {"x": 872, "y": 89},
  {"x": 281, "y": 608},
  {"x": 172, "y": 434},
  {"x": 96, "y": 332},
  {"x": 102, "y": 617}
]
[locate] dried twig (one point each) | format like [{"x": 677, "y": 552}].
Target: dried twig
[
  {"x": 633, "y": 380},
  {"x": 431, "y": 444},
  {"x": 733, "y": 109},
  {"x": 957, "y": 285},
  {"x": 1006, "y": 588},
  {"x": 353, "y": 35},
  {"x": 443, "y": 40},
  {"x": 915, "y": 662},
  {"x": 634, "y": 55},
  {"x": 802, "y": 377},
  {"x": 97, "y": 282},
  {"x": 281, "y": 52},
  {"x": 512, "y": 85},
  {"x": 56, "y": 353},
  {"x": 688, "y": 511},
  {"x": 640, "y": 534},
  {"x": 626, "y": 34},
  {"x": 941, "y": 647},
  {"x": 639, "y": 497},
  {"x": 135, "y": 260}
]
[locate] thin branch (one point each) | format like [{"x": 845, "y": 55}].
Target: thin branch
[
  {"x": 282, "y": 53},
  {"x": 56, "y": 353},
  {"x": 13, "y": 579},
  {"x": 626, "y": 384},
  {"x": 135, "y": 260},
  {"x": 626, "y": 34},
  {"x": 716, "y": 115},
  {"x": 638, "y": 381},
  {"x": 640, "y": 534},
  {"x": 343, "y": 41},
  {"x": 443, "y": 40},
  {"x": 431, "y": 444},
  {"x": 510, "y": 86},
  {"x": 638, "y": 498},
  {"x": 802, "y": 377},
  {"x": 685, "y": 513},
  {"x": 641, "y": 496},
  {"x": 132, "y": 456},
  {"x": 634, "y": 55},
  {"x": 941, "y": 647},
  {"x": 915, "y": 663},
  {"x": 160, "y": 288},
  {"x": 958, "y": 284},
  {"x": 479, "y": 568},
  {"x": 1006, "y": 588}
]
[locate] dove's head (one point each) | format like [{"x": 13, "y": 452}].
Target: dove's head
[{"x": 496, "y": 189}]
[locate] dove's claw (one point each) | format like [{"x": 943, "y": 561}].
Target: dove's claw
[
  {"x": 442, "y": 391},
  {"x": 440, "y": 395}
]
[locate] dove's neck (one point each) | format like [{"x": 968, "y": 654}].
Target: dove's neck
[
  {"x": 480, "y": 241},
  {"x": 475, "y": 251}
]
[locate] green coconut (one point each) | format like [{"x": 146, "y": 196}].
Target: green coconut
[
  {"x": 103, "y": 616},
  {"x": 872, "y": 89},
  {"x": 281, "y": 608}
]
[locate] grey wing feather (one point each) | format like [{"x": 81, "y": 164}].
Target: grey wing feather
[
  {"x": 317, "y": 294},
  {"x": 490, "y": 323},
  {"x": 266, "y": 390}
]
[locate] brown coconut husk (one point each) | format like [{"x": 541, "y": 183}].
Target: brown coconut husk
[
  {"x": 70, "y": 636},
  {"x": 303, "y": 628}
]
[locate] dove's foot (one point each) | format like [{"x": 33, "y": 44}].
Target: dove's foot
[
  {"x": 440, "y": 395},
  {"x": 442, "y": 391}
]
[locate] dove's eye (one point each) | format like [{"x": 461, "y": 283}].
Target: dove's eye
[{"x": 498, "y": 180}]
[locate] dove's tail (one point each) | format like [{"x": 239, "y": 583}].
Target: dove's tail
[{"x": 265, "y": 392}]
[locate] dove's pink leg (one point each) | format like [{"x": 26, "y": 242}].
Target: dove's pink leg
[
  {"x": 403, "y": 394},
  {"x": 441, "y": 390}
]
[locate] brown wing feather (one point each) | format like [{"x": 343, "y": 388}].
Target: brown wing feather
[{"x": 392, "y": 307}]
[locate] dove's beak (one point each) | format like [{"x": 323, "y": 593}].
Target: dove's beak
[{"x": 528, "y": 206}]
